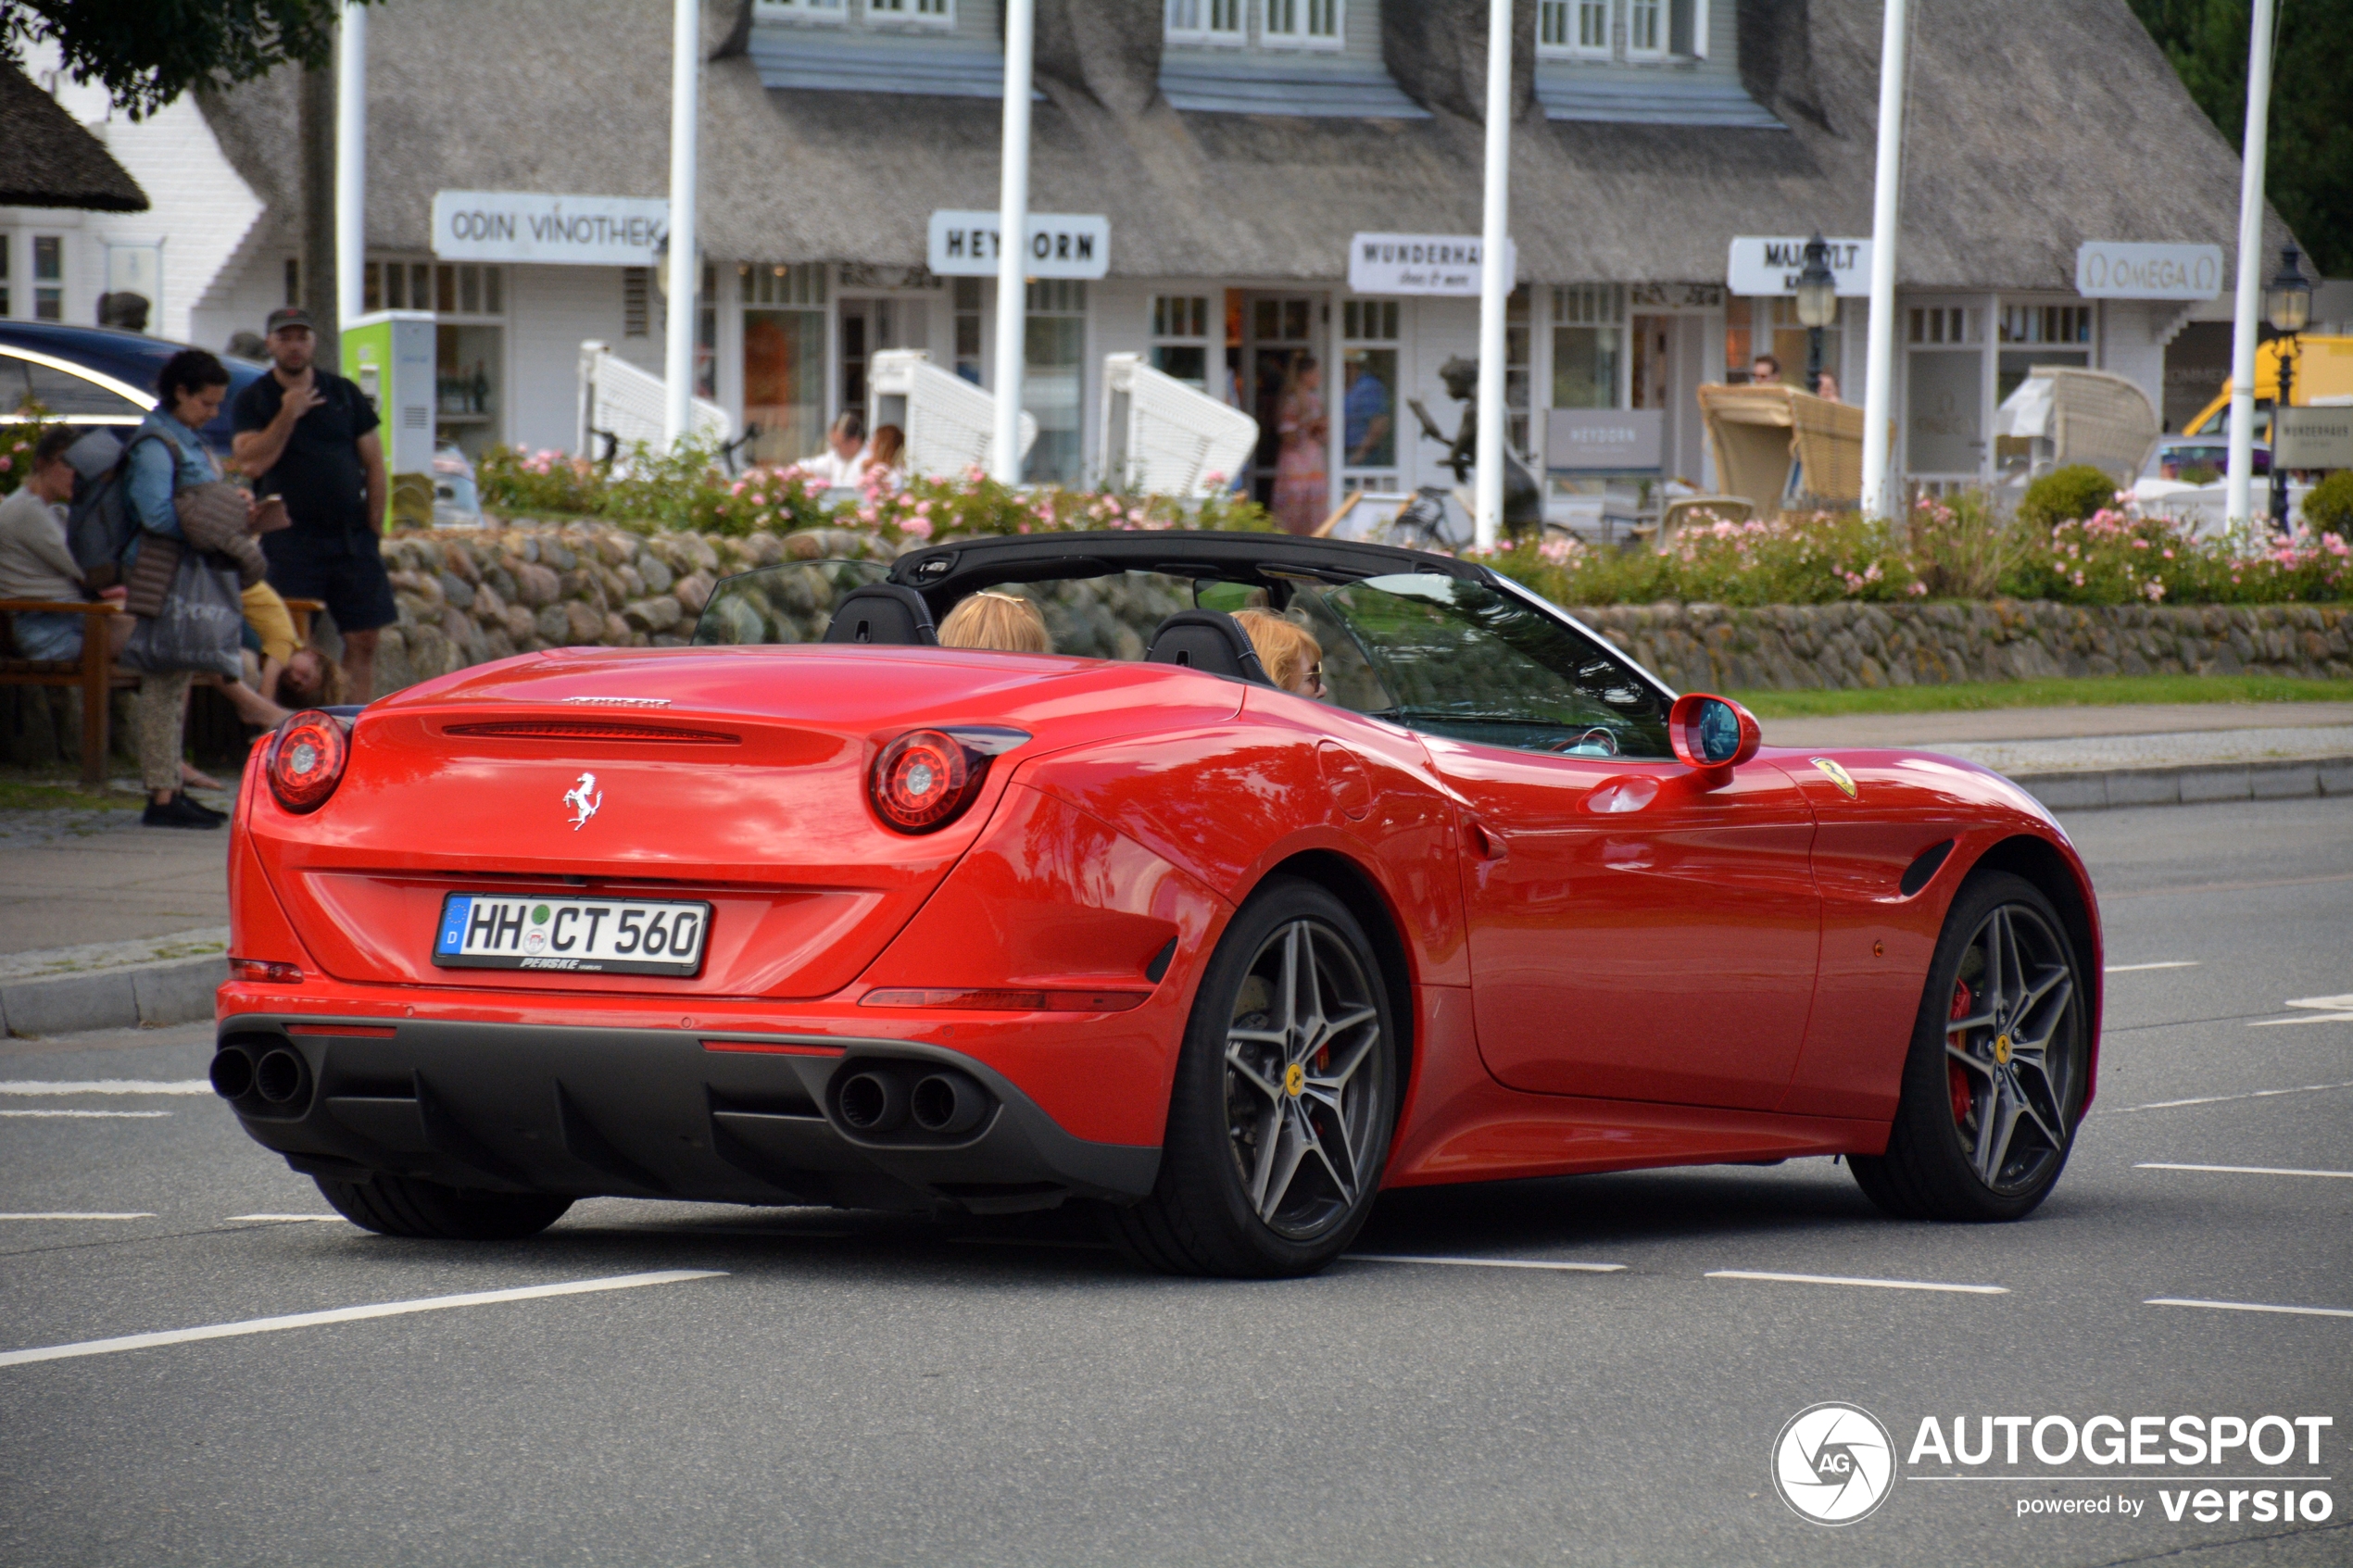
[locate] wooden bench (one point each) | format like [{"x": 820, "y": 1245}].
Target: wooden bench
[{"x": 95, "y": 671}]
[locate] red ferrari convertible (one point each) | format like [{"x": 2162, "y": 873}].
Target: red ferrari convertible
[{"x": 818, "y": 912}]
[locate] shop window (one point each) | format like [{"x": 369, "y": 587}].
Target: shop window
[
  {"x": 1205, "y": 22},
  {"x": 1304, "y": 24},
  {"x": 1052, "y": 386},
  {"x": 1180, "y": 338},
  {"x": 868, "y": 326},
  {"x": 2047, "y": 324},
  {"x": 48, "y": 278},
  {"x": 1371, "y": 393},
  {"x": 1645, "y": 28},
  {"x": 637, "y": 311},
  {"x": 1588, "y": 344},
  {"x": 967, "y": 312},
  {"x": 1516, "y": 370},
  {"x": 1755, "y": 326},
  {"x": 1946, "y": 323},
  {"x": 783, "y": 359}
]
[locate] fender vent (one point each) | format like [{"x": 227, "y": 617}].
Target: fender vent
[
  {"x": 573, "y": 729},
  {"x": 1921, "y": 872}
]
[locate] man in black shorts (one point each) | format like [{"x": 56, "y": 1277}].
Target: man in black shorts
[{"x": 309, "y": 436}]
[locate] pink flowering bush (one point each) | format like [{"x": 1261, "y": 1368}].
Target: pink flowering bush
[
  {"x": 2116, "y": 556},
  {"x": 1795, "y": 560},
  {"x": 18, "y": 438},
  {"x": 553, "y": 483}
]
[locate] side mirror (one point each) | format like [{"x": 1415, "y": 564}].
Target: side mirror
[{"x": 1712, "y": 734}]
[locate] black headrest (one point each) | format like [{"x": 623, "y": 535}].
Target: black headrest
[
  {"x": 1210, "y": 641},
  {"x": 883, "y": 612}
]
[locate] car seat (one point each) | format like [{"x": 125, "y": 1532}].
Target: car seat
[
  {"x": 1210, "y": 641},
  {"x": 883, "y": 612}
]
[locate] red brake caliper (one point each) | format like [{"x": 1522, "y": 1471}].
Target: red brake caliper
[{"x": 1956, "y": 1076}]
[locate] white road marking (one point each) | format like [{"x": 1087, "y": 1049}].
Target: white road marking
[
  {"x": 101, "y": 1115},
  {"x": 349, "y": 1314},
  {"x": 68, "y": 1216},
  {"x": 2309, "y": 1017},
  {"x": 107, "y": 1086},
  {"x": 2219, "y": 1099},
  {"x": 2332, "y": 1010},
  {"x": 2242, "y": 1170},
  {"x": 2325, "y": 1004},
  {"x": 2249, "y": 1307},
  {"x": 281, "y": 1218},
  {"x": 1878, "y": 1283},
  {"x": 1485, "y": 1262},
  {"x": 2136, "y": 968}
]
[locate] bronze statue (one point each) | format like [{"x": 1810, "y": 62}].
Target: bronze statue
[{"x": 1523, "y": 496}]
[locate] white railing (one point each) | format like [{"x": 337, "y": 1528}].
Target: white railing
[
  {"x": 949, "y": 424},
  {"x": 620, "y": 405},
  {"x": 1164, "y": 437}
]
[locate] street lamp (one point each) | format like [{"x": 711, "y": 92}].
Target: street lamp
[
  {"x": 1817, "y": 304},
  {"x": 2287, "y": 305}
]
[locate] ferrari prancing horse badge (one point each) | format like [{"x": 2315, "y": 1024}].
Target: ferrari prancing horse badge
[{"x": 1836, "y": 774}]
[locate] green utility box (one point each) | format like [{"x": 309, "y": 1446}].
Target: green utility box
[{"x": 390, "y": 355}]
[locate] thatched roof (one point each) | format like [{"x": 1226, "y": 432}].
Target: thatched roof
[
  {"x": 2034, "y": 128},
  {"x": 51, "y": 161}
]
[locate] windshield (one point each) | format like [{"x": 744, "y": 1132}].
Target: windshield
[{"x": 1467, "y": 661}]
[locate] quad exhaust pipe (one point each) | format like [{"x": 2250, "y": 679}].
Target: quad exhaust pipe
[
  {"x": 873, "y": 1102},
  {"x": 231, "y": 1073},
  {"x": 946, "y": 1104}
]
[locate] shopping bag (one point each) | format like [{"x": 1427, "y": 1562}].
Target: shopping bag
[{"x": 198, "y": 627}]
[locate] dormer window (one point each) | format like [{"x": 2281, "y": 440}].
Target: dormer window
[
  {"x": 1643, "y": 30},
  {"x": 1212, "y": 22},
  {"x": 883, "y": 14},
  {"x": 1304, "y": 24}
]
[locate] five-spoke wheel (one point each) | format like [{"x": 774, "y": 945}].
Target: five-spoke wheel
[
  {"x": 1280, "y": 1120},
  {"x": 1995, "y": 1082}
]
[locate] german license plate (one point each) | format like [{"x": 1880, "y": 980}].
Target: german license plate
[{"x": 578, "y": 935}]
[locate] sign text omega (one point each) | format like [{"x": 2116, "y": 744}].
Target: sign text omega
[{"x": 2114, "y": 269}]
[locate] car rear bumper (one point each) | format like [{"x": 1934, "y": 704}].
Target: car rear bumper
[{"x": 646, "y": 1112}]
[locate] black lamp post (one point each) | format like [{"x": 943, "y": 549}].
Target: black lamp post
[
  {"x": 2287, "y": 305},
  {"x": 1817, "y": 304}
]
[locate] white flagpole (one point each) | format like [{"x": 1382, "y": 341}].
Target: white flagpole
[
  {"x": 1879, "y": 378},
  {"x": 2239, "y": 504},
  {"x": 1494, "y": 275},
  {"x": 686, "y": 84},
  {"x": 1012, "y": 231},
  {"x": 351, "y": 165}
]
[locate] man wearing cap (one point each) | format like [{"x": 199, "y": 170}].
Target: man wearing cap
[{"x": 309, "y": 436}]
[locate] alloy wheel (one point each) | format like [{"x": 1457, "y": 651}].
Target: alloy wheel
[
  {"x": 1300, "y": 1112},
  {"x": 2009, "y": 1048}
]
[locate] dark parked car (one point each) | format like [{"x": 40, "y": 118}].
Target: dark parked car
[{"x": 96, "y": 376}]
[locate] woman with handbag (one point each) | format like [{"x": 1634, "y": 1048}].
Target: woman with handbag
[{"x": 176, "y": 586}]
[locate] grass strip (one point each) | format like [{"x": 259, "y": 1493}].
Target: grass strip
[{"x": 2095, "y": 691}]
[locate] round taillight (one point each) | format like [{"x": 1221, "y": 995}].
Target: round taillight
[
  {"x": 923, "y": 780},
  {"x": 307, "y": 762}
]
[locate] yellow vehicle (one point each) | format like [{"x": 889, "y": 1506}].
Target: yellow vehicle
[{"x": 2324, "y": 369}]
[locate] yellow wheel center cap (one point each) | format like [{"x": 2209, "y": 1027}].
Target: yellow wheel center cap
[
  {"x": 2002, "y": 1050},
  {"x": 1294, "y": 1078}
]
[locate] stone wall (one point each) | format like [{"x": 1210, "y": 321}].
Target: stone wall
[
  {"x": 1794, "y": 647},
  {"x": 465, "y": 596}
]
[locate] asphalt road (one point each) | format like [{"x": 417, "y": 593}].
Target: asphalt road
[{"x": 850, "y": 1389}]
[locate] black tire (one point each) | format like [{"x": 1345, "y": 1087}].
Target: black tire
[
  {"x": 392, "y": 1205},
  {"x": 1215, "y": 1208},
  {"x": 1983, "y": 1128}
]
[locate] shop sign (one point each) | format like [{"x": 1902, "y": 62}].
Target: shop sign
[
  {"x": 1061, "y": 244},
  {"x": 1604, "y": 440},
  {"x": 1438, "y": 264},
  {"x": 2113, "y": 270},
  {"x": 2314, "y": 438},
  {"x": 1768, "y": 264},
  {"x": 533, "y": 227}
]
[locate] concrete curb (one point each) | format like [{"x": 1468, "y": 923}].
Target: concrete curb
[
  {"x": 168, "y": 991},
  {"x": 2190, "y": 785}
]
